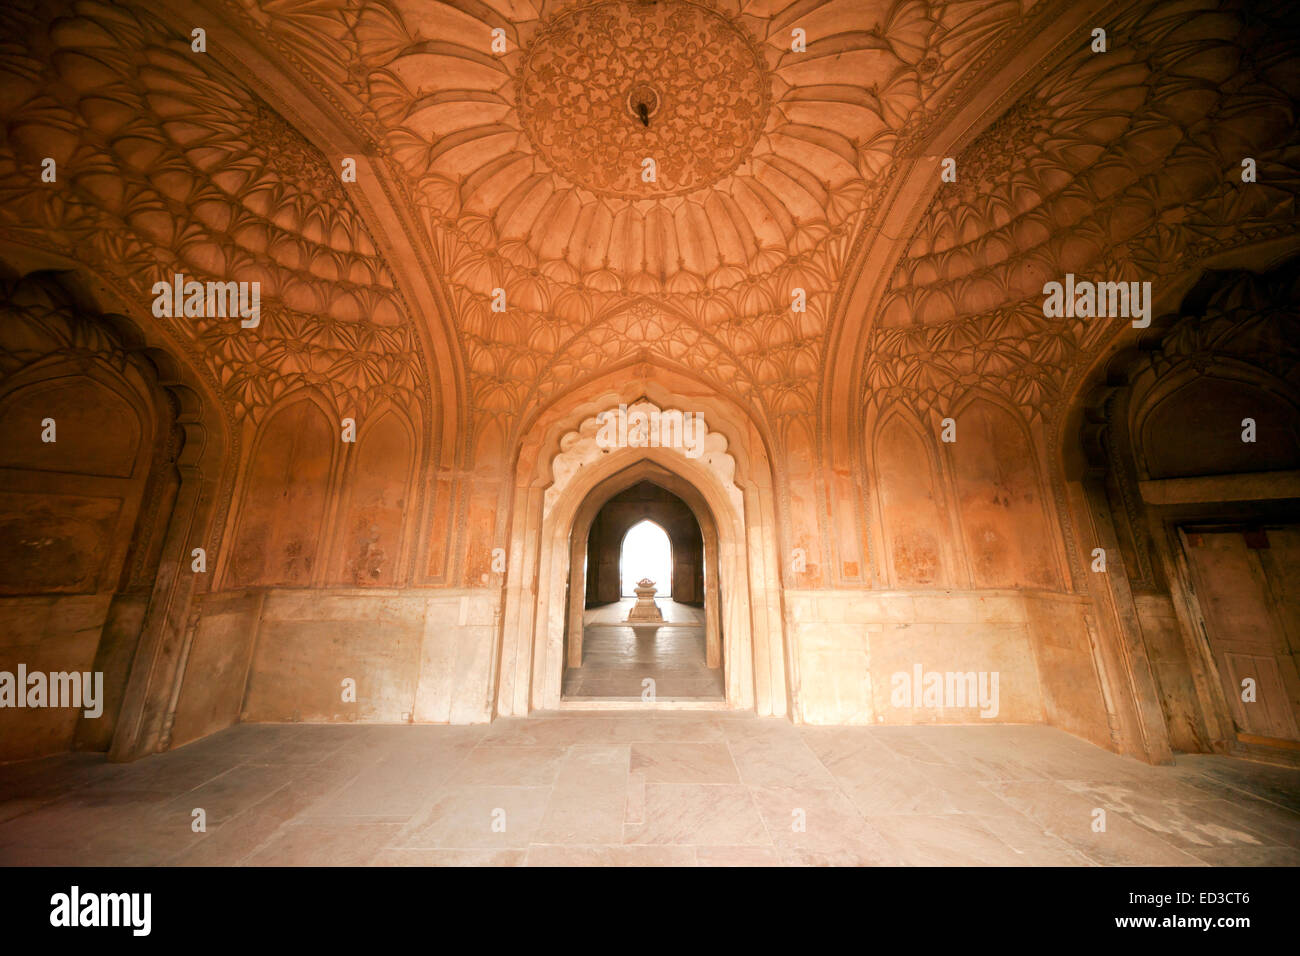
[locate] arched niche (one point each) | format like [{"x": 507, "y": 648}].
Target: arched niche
[
  {"x": 1000, "y": 500},
  {"x": 368, "y": 546},
  {"x": 799, "y": 484},
  {"x": 912, "y": 509},
  {"x": 633, "y": 474},
  {"x": 59, "y": 313},
  {"x": 79, "y": 532},
  {"x": 1194, "y": 423},
  {"x": 281, "y": 514},
  {"x": 70, "y": 505},
  {"x": 91, "y": 517},
  {"x": 99, "y": 429}
]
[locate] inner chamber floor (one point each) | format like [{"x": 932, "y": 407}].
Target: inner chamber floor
[
  {"x": 661, "y": 788},
  {"x": 617, "y": 657}
]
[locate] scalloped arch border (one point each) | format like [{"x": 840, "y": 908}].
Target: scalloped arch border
[{"x": 579, "y": 448}]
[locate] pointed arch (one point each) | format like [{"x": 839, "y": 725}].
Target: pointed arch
[
  {"x": 1000, "y": 497},
  {"x": 683, "y": 489},
  {"x": 283, "y": 496},
  {"x": 661, "y": 542},
  {"x": 912, "y": 504},
  {"x": 370, "y": 529}
]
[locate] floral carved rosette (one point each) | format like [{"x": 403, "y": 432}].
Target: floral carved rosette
[{"x": 703, "y": 82}]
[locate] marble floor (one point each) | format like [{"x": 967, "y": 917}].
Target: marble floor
[
  {"x": 665, "y": 788},
  {"x": 617, "y": 657}
]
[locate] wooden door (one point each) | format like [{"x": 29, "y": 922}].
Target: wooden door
[{"x": 1247, "y": 586}]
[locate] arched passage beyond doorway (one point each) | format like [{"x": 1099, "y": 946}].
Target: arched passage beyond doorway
[
  {"x": 618, "y": 555},
  {"x": 640, "y": 481},
  {"x": 646, "y": 553},
  {"x": 627, "y": 530}
]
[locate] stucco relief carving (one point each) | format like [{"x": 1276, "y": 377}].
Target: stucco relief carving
[
  {"x": 509, "y": 204},
  {"x": 645, "y": 332},
  {"x": 166, "y": 165},
  {"x": 581, "y": 447},
  {"x": 695, "y": 81},
  {"x": 39, "y": 322},
  {"x": 1124, "y": 167}
]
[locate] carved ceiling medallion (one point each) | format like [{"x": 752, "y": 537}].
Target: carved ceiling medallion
[{"x": 702, "y": 82}]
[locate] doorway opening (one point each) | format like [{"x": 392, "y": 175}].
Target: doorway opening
[
  {"x": 1244, "y": 578},
  {"x": 1194, "y": 450},
  {"x": 88, "y": 446},
  {"x": 644, "y": 533},
  {"x": 646, "y": 554}
]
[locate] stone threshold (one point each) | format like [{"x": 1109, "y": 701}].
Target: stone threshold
[{"x": 635, "y": 703}]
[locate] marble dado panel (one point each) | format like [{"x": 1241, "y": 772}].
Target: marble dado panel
[
  {"x": 283, "y": 655},
  {"x": 849, "y": 645}
]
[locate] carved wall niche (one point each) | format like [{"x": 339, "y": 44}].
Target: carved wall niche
[
  {"x": 314, "y": 509},
  {"x": 1000, "y": 498},
  {"x": 284, "y": 496},
  {"x": 1191, "y": 424},
  {"x": 88, "y": 483},
  {"x": 370, "y": 544},
  {"x": 913, "y": 508}
]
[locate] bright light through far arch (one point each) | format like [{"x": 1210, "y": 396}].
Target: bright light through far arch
[{"x": 647, "y": 553}]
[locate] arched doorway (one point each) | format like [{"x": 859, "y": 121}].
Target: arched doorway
[
  {"x": 730, "y": 494},
  {"x": 631, "y": 527},
  {"x": 89, "y": 446},
  {"x": 1193, "y": 492},
  {"x": 646, "y": 553}
]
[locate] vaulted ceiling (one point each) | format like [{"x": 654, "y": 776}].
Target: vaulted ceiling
[
  {"x": 511, "y": 138},
  {"x": 1121, "y": 166},
  {"x": 166, "y": 163},
  {"x": 526, "y": 165}
]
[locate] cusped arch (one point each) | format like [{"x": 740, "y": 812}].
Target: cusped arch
[
  {"x": 561, "y": 465},
  {"x": 579, "y": 469},
  {"x": 585, "y": 445},
  {"x": 749, "y": 437}
]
